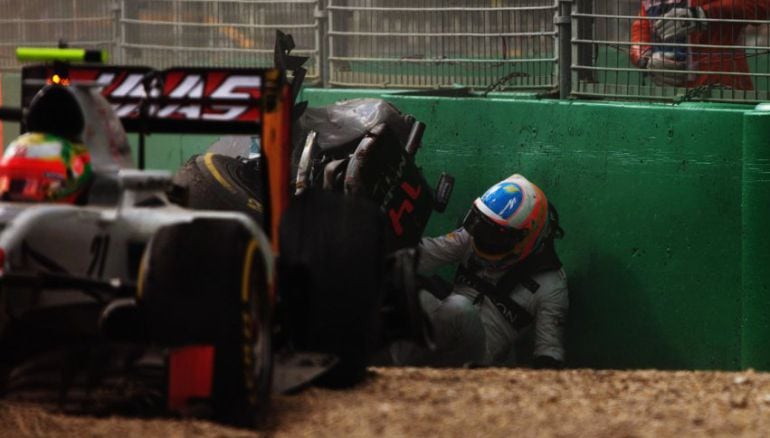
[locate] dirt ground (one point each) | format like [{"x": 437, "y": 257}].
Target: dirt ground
[{"x": 481, "y": 402}]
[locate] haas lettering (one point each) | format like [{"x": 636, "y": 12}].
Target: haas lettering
[{"x": 236, "y": 96}]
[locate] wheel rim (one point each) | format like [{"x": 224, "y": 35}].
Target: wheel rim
[{"x": 257, "y": 336}]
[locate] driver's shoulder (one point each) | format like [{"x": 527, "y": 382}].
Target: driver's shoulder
[{"x": 551, "y": 282}]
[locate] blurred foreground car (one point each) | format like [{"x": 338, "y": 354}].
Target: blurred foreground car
[
  {"x": 125, "y": 300},
  {"x": 131, "y": 301}
]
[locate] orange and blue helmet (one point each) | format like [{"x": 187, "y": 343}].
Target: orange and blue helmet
[
  {"x": 40, "y": 167},
  {"x": 508, "y": 222}
]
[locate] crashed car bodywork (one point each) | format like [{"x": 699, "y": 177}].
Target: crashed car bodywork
[{"x": 358, "y": 207}]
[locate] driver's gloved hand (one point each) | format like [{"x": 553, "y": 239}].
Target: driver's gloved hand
[
  {"x": 668, "y": 60},
  {"x": 403, "y": 316}
]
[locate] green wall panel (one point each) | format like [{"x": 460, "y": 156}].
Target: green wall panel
[
  {"x": 756, "y": 240},
  {"x": 166, "y": 151}
]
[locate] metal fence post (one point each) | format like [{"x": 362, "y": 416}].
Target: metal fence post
[
  {"x": 117, "y": 9},
  {"x": 583, "y": 30},
  {"x": 563, "y": 22},
  {"x": 321, "y": 15}
]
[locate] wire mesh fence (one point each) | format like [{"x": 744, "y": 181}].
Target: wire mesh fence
[
  {"x": 442, "y": 43},
  {"x": 672, "y": 49},
  {"x": 83, "y": 23},
  {"x": 207, "y": 32},
  {"x": 614, "y": 49}
]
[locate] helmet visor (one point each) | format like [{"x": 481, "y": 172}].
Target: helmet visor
[
  {"x": 21, "y": 189},
  {"x": 490, "y": 237}
]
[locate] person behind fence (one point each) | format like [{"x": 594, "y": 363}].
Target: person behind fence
[
  {"x": 509, "y": 280},
  {"x": 706, "y": 43}
]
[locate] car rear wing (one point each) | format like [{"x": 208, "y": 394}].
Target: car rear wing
[{"x": 175, "y": 100}]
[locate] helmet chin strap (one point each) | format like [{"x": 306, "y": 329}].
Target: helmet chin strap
[{"x": 477, "y": 262}]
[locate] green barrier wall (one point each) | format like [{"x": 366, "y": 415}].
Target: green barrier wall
[{"x": 663, "y": 209}]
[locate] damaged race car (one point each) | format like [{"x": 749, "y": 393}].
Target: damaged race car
[
  {"x": 359, "y": 205},
  {"x": 113, "y": 298}
]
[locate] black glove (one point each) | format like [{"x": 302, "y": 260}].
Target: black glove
[{"x": 543, "y": 362}]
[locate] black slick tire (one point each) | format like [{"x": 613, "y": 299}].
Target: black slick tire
[
  {"x": 219, "y": 182},
  {"x": 331, "y": 277},
  {"x": 205, "y": 282}
]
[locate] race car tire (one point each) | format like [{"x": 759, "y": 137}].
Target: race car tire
[
  {"x": 218, "y": 182},
  {"x": 205, "y": 283},
  {"x": 331, "y": 278}
]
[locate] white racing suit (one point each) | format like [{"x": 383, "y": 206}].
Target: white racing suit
[{"x": 469, "y": 328}]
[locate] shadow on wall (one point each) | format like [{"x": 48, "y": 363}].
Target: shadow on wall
[{"x": 609, "y": 326}]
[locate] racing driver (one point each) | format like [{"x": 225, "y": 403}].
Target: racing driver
[{"x": 509, "y": 279}]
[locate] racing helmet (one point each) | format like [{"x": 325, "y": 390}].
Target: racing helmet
[
  {"x": 507, "y": 223},
  {"x": 39, "y": 167}
]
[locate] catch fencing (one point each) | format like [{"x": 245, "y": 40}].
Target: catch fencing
[
  {"x": 162, "y": 33},
  {"x": 442, "y": 43},
  {"x": 236, "y": 33},
  {"x": 84, "y": 23},
  {"x": 671, "y": 50},
  {"x": 565, "y": 48}
]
